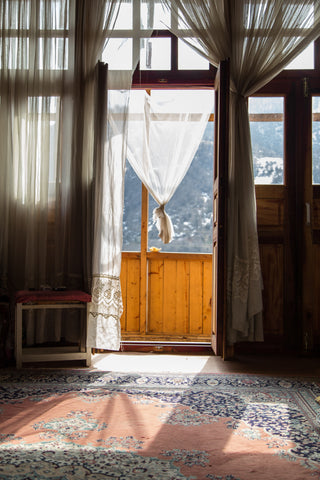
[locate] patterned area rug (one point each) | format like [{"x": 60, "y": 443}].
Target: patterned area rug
[{"x": 74, "y": 424}]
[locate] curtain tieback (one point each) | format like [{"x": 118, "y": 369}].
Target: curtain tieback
[{"x": 163, "y": 224}]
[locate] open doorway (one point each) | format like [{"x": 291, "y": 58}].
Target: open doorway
[{"x": 167, "y": 288}]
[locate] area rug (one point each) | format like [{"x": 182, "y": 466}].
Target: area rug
[{"x": 79, "y": 424}]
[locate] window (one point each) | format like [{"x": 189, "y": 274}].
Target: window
[
  {"x": 266, "y": 116},
  {"x": 40, "y": 121},
  {"x": 189, "y": 59},
  {"x": 155, "y": 54},
  {"x": 304, "y": 61},
  {"x": 47, "y": 25},
  {"x": 141, "y": 36}
]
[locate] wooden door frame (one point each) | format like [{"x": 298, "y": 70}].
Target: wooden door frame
[
  {"x": 220, "y": 195},
  {"x": 311, "y": 237}
]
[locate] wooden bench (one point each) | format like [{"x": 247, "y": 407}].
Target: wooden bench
[{"x": 50, "y": 299}]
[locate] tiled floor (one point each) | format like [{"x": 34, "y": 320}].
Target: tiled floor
[{"x": 157, "y": 363}]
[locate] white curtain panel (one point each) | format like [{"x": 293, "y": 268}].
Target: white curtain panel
[
  {"x": 104, "y": 328},
  {"x": 260, "y": 38},
  {"x": 165, "y": 130},
  {"x": 40, "y": 219},
  {"x": 93, "y": 30},
  {"x": 104, "y": 155},
  {"x": 36, "y": 107},
  {"x": 49, "y": 50}
]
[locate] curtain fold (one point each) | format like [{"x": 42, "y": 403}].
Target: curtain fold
[
  {"x": 260, "y": 38},
  {"x": 164, "y": 134}
]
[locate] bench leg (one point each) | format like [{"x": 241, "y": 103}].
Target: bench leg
[
  {"x": 18, "y": 335},
  {"x": 88, "y": 359},
  {"x": 88, "y": 349}
]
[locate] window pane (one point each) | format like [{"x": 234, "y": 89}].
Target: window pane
[
  {"x": 35, "y": 155},
  {"x": 265, "y": 105},
  {"x": 132, "y": 211},
  {"x": 267, "y": 139},
  {"x": 124, "y": 19},
  {"x": 189, "y": 59},
  {"x": 53, "y": 54},
  {"x": 15, "y": 13},
  {"x": 178, "y": 101},
  {"x": 303, "y": 61},
  {"x": 15, "y": 53},
  {"x": 155, "y": 54},
  {"x": 316, "y": 140},
  {"x": 43, "y": 105},
  {"x": 54, "y": 15},
  {"x": 254, "y": 13},
  {"x": 154, "y": 16},
  {"x": 118, "y": 54},
  {"x": 190, "y": 208}
]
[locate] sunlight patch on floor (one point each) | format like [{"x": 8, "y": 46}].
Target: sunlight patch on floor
[
  {"x": 150, "y": 363},
  {"x": 177, "y": 363}
]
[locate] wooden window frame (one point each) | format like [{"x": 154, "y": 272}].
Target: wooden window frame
[{"x": 173, "y": 78}]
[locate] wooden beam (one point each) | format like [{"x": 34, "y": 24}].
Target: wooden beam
[{"x": 143, "y": 259}]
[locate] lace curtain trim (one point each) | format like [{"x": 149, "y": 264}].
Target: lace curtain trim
[
  {"x": 106, "y": 296},
  {"x": 104, "y": 328}
]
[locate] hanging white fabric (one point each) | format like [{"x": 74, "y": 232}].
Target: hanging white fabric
[
  {"x": 104, "y": 328},
  {"x": 164, "y": 133}
]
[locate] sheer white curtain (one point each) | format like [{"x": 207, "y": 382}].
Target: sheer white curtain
[
  {"x": 41, "y": 219},
  {"x": 103, "y": 154},
  {"x": 38, "y": 206},
  {"x": 104, "y": 329},
  {"x": 260, "y": 38},
  {"x": 36, "y": 81},
  {"x": 49, "y": 49},
  {"x": 93, "y": 27},
  {"x": 164, "y": 133}
]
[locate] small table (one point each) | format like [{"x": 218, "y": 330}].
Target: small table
[{"x": 50, "y": 299}]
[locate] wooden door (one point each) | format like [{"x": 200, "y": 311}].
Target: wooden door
[
  {"x": 310, "y": 190},
  {"x": 220, "y": 183}
]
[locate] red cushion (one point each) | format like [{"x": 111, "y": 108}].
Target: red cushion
[{"x": 28, "y": 296}]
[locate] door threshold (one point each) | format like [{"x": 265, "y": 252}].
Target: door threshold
[{"x": 166, "y": 347}]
